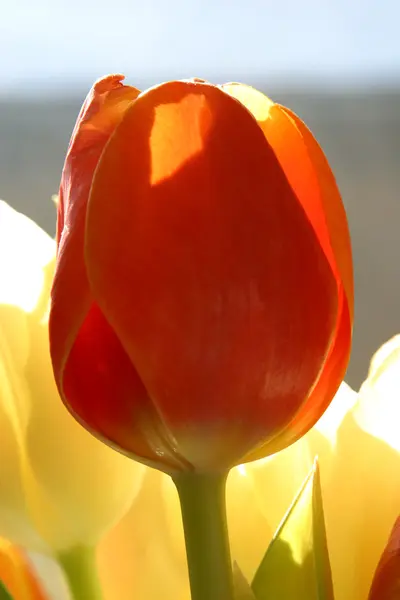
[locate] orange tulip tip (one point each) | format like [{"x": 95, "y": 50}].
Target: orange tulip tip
[{"x": 108, "y": 82}]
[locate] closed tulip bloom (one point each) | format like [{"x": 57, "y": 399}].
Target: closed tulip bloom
[{"x": 202, "y": 303}]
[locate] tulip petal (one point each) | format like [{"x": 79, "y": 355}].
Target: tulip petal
[
  {"x": 226, "y": 323},
  {"x": 360, "y": 476},
  {"x": 137, "y": 556},
  {"x": 50, "y": 494},
  {"x": 103, "y": 109},
  {"x": 378, "y": 412},
  {"x": 285, "y": 472},
  {"x": 85, "y": 352},
  {"x": 17, "y": 574},
  {"x": 296, "y": 564},
  {"x": 310, "y": 176},
  {"x": 26, "y": 252},
  {"x": 386, "y": 582},
  {"x": 308, "y": 172}
]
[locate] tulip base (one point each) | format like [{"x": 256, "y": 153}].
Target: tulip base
[
  {"x": 79, "y": 565},
  {"x": 202, "y": 499}
]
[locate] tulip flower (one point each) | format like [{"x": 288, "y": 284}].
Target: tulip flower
[
  {"x": 358, "y": 447},
  {"x": 60, "y": 489},
  {"x": 202, "y": 303}
]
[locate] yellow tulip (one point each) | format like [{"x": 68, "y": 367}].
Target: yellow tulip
[
  {"x": 358, "y": 446},
  {"x": 60, "y": 488}
]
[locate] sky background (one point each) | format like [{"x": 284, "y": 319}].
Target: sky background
[{"x": 52, "y": 44}]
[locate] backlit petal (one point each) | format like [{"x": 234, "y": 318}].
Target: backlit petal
[
  {"x": 208, "y": 270},
  {"x": 361, "y": 480},
  {"x": 103, "y": 109},
  {"x": 50, "y": 494},
  {"x": 309, "y": 174}
]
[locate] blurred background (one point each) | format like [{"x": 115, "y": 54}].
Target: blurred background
[{"x": 334, "y": 62}]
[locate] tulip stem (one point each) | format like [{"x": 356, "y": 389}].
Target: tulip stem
[
  {"x": 202, "y": 498},
  {"x": 79, "y": 565}
]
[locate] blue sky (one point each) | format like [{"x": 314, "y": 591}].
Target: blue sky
[{"x": 51, "y": 43}]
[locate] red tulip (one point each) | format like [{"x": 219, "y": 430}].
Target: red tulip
[
  {"x": 202, "y": 305},
  {"x": 386, "y": 582}
]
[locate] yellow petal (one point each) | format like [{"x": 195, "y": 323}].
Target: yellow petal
[
  {"x": 54, "y": 474},
  {"x": 25, "y": 250},
  {"x": 249, "y": 529},
  {"x": 139, "y": 555},
  {"x": 329, "y": 423},
  {"x": 378, "y": 412},
  {"x": 277, "y": 480},
  {"x": 361, "y": 478}
]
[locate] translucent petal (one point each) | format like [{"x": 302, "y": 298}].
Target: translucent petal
[{"x": 50, "y": 492}]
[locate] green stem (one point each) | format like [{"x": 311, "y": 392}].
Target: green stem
[
  {"x": 79, "y": 566},
  {"x": 202, "y": 498}
]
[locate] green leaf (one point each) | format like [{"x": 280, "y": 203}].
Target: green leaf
[
  {"x": 243, "y": 590},
  {"x": 296, "y": 565},
  {"x": 4, "y": 594}
]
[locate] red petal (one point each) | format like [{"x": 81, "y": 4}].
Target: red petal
[
  {"x": 310, "y": 176},
  {"x": 90, "y": 365},
  {"x": 103, "y": 109},
  {"x": 308, "y": 172},
  {"x": 386, "y": 582},
  {"x": 105, "y": 393},
  {"x": 334, "y": 232},
  {"x": 206, "y": 266}
]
